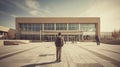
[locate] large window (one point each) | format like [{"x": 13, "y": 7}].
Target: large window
[
  {"x": 22, "y": 28},
  {"x": 37, "y": 27},
  {"x": 30, "y": 27},
  {"x": 61, "y": 26},
  {"x": 48, "y": 26},
  {"x": 87, "y": 27},
  {"x": 73, "y": 26}
]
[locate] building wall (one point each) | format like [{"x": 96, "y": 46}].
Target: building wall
[
  {"x": 106, "y": 36},
  {"x": 6, "y": 33},
  {"x": 55, "y": 21}
]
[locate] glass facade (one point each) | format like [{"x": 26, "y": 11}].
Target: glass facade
[
  {"x": 36, "y": 27},
  {"x": 87, "y": 27},
  {"x": 73, "y": 26},
  {"x": 49, "y": 27},
  {"x": 30, "y": 37},
  {"x": 30, "y": 27},
  {"x": 61, "y": 26}
]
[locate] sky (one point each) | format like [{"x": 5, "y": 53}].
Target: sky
[{"x": 107, "y": 10}]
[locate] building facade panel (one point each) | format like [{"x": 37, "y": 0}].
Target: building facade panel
[{"x": 47, "y": 28}]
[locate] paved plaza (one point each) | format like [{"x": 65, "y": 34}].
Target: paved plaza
[{"x": 80, "y": 54}]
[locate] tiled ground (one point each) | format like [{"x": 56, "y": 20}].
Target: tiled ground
[{"x": 81, "y": 54}]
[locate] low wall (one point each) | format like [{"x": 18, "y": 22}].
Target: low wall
[
  {"x": 1, "y": 43},
  {"x": 8, "y": 42},
  {"x": 13, "y": 42},
  {"x": 24, "y": 41}
]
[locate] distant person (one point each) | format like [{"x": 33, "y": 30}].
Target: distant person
[
  {"x": 97, "y": 39},
  {"x": 87, "y": 37},
  {"x": 65, "y": 40},
  {"x": 59, "y": 42},
  {"x": 72, "y": 40}
]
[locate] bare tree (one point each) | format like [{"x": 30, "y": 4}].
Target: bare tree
[{"x": 116, "y": 34}]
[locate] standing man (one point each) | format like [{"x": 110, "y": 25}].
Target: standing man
[
  {"x": 59, "y": 42},
  {"x": 97, "y": 39}
]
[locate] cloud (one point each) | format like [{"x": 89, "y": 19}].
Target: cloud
[
  {"x": 32, "y": 7},
  {"x": 108, "y": 11},
  {"x": 32, "y": 4},
  {"x": 19, "y": 5},
  {"x": 14, "y": 15},
  {"x": 35, "y": 9},
  {"x": 35, "y": 12},
  {"x": 5, "y": 13}
]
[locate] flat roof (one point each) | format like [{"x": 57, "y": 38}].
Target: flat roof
[
  {"x": 4, "y": 29},
  {"x": 57, "y": 19}
]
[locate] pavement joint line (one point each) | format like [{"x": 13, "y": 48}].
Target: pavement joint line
[
  {"x": 68, "y": 58},
  {"x": 117, "y": 63},
  {"x": 111, "y": 51},
  {"x": 14, "y": 53}
]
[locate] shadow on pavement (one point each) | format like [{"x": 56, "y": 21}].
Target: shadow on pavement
[
  {"x": 34, "y": 65},
  {"x": 43, "y": 55},
  {"x": 112, "y": 42}
]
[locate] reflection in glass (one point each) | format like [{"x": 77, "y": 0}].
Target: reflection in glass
[
  {"x": 49, "y": 26},
  {"x": 61, "y": 26},
  {"x": 30, "y": 27},
  {"x": 73, "y": 26},
  {"x": 87, "y": 27}
]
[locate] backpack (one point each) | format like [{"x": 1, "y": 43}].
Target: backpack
[{"x": 59, "y": 41}]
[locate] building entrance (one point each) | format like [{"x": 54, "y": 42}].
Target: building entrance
[
  {"x": 66, "y": 37},
  {"x": 71, "y": 37}
]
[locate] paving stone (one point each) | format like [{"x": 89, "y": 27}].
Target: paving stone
[{"x": 81, "y": 54}]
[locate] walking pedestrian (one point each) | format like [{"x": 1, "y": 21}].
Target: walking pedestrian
[{"x": 97, "y": 39}]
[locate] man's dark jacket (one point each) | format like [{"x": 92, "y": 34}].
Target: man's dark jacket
[{"x": 59, "y": 42}]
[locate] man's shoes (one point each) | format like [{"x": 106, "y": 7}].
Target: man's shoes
[{"x": 59, "y": 60}]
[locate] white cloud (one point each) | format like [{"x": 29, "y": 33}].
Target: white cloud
[
  {"x": 18, "y": 5},
  {"x": 35, "y": 13},
  {"x": 32, "y": 4},
  {"x": 29, "y": 7},
  {"x": 108, "y": 11},
  {"x": 32, "y": 7},
  {"x": 14, "y": 15},
  {"x": 35, "y": 9}
]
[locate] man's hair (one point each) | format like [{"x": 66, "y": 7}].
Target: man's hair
[{"x": 59, "y": 33}]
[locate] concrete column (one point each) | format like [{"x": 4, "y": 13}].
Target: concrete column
[
  {"x": 40, "y": 35},
  {"x": 82, "y": 35},
  {"x": 67, "y": 35},
  {"x": 79, "y": 33},
  {"x": 97, "y": 26},
  {"x": 42, "y": 26},
  {"x": 54, "y": 26},
  {"x": 42, "y": 32},
  {"x": 67, "y": 27},
  {"x": 3, "y": 36},
  {"x": 79, "y": 27}
]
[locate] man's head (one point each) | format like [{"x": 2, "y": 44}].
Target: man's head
[{"x": 59, "y": 33}]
